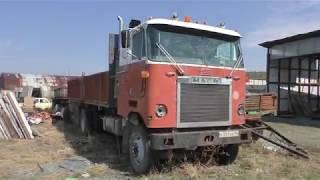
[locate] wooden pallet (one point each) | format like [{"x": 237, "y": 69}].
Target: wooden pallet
[{"x": 259, "y": 104}]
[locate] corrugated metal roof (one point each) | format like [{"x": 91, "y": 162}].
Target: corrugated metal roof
[
  {"x": 10, "y": 80},
  {"x": 297, "y": 37}
]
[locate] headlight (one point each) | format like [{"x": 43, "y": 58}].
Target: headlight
[
  {"x": 161, "y": 110},
  {"x": 241, "y": 110}
]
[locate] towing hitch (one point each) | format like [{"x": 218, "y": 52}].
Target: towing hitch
[{"x": 282, "y": 142}]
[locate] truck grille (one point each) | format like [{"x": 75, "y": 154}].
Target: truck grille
[{"x": 203, "y": 105}]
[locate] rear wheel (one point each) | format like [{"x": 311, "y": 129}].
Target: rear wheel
[
  {"x": 139, "y": 150},
  {"x": 227, "y": 154}
]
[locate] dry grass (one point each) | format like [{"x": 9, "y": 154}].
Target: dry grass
[
  {"x": 253, "y": 163},
  {"x": 98, "y": 170},
  {"x": 27, "y": 154},
  {"x": 303, "y": 131},
  {"x": 20, "y": 158}
]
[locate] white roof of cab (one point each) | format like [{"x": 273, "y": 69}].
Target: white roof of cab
[{"x": 194, "y": 26}]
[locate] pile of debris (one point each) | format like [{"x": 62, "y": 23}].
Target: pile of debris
[
  {"x": 13, "y": 123},
  {"x": 38, "y": 117}
]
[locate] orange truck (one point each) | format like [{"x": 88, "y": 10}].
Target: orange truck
[{"x": 172, "y": 86}]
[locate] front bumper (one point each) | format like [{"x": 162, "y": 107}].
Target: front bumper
[{"x": 192, "y": 139}]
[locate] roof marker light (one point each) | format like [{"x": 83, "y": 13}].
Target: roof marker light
[{"x": 187, "y": 19}]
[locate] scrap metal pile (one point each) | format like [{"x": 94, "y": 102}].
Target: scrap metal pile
[
  {"x": 38, "y": 117},
  {"x": 13, "y": 123}
]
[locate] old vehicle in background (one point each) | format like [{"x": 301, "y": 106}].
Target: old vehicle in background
[
  {"x": 172, "y": 86},
  {"x": 42, "y": 103}
]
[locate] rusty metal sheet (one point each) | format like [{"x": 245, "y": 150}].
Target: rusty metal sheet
[{"x": 11, "y": 81}]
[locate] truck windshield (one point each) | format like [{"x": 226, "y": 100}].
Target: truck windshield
[{"x": 191, "y": 46}]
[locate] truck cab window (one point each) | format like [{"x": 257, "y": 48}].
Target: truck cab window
[
  {"x": 192, "y": 47},
  {"x": 138, "y": 45}
]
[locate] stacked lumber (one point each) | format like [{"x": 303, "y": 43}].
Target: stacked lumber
[
  {"x": 13, "y": 123},
  {"x": 259, "y": 104}
]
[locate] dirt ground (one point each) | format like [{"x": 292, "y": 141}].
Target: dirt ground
[{"x": 45, "y": 157}]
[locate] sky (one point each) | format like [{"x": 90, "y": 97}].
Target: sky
[{"x": 70, "y": 37}]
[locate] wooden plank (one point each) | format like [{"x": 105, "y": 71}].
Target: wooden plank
[
  {"x": 13, "y": 123},
  {"x": 14, "y": 119},
  {"x": 8, "y": 125},
  {"x": 20, "y": 114},
  {"x": 10, "y": 120},
  {"x": 4, "y": 130},
  {"x": 262, "y": 103},
  {"x": 2, "y": 133}
]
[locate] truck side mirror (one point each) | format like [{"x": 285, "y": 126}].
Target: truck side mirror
[{"x": 125, "y": 39}]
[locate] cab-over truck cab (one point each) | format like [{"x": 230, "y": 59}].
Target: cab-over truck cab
[{"x": 178, "y": 85}]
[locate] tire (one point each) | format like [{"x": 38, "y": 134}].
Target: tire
[
  {"x": 83, "y": 122},
  {"x": 204, "y": 155},
  {"x": 227, "y": 155},
  {"x": 139, "y": 150}
]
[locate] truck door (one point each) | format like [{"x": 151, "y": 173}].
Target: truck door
[{"x": 130, "y": 83}]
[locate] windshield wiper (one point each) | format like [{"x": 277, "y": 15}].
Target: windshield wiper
[
  {"x": 236, "y": 65},
  {"x": 168, "y": 55},
  {"x": 204, "y": 61}
]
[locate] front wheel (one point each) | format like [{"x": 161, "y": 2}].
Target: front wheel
[
  {"x": 139, "y": 150},
  {"x": 227, "y": 154}
]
